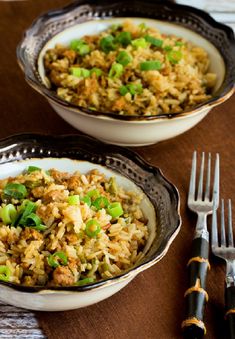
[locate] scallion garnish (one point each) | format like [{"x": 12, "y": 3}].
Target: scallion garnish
[
  {"x": 73, "y": 199},
  {"x": 26, "y": 209},
  {"x": 97, "y": 71},
  {"x": 92, "y": 228},
  {"x": 15, "y": 191},
  {"x": 131, "y": 88},
  {"x": 84, "y": 281},
  {"x": 154, "y": 41},
  {"x": 108, "y": 43},
  {"x": 86, "y": 200},
  {"x": 80, "y": 46},
  {"x": 142, "y": 26},
  {"x": 116, "y": 70},
  {"x": 8, "y": 214},
  {"x": 57, "y": 259},
  {"x": 150, "y": 65},
  {"x": 140, "y": 42},
  {"x": 123, "y": 90},
  {"x": 115, "y": 209},
  {"x": 179, "y": 43},
  {"x": 31, "y": 169},
  {"x": 167, "y": 48},
  {"x": 5, "y": 273},
  {"x": 174, "y": 56},
  {"x": 33, "y": 220},
  {"x": 100, "y": 202},
  {"x": 124, "y": 38},
  {"x": 123, "y": 58},
  {"x": 79, "y": 72},
  {"x": 93, "y": 194}
]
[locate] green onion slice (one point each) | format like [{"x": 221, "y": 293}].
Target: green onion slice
[
  {"x": 150, "y": 65},
  {"x": 57, "y": 259},
  {"x": 39, "y": 227},
  {"x": 123, "y": 90},
  {"x": 115, "y": 209},
  {"x": 73, "y": 199},
  {"x": 154, "y": 41},
  {"x": 108, "y": 44},
  {"x": 140, "y": 42},
  {"x": 79, "y": 72},
  {"x": 5, "y": 273},
  {"x": 142, "y": 26},
  {"x": 16, "y": 191},
  {"x": 8, "y": 214},
  {"x": 33, "y": 220},
  {"x": 100, "y": 202},
  {"x": 93, "y": 193},
  {"x": 28, "y": 207},
  {"x": 80, "y": 46},
  {"x": 123, "y": 58},
  {"x": 116, "y": 70},
  {"x": 174, "y": 56},
  {"x": 31, "y": 169},
  {"x": 92, "y": 228},
  {"x": 135, "y": 88},
  {"x": 179, "y": 43},
  {"x": 167, "y": 48},
  {"x": 124, "y": 38},
  {"x": 86, "y": 200},
  {"x": 97, "y": 71},
  {"x": 85, "y": 281}
]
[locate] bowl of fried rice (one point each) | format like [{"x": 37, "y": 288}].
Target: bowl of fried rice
[
  {"x": 79, "y": 219},
  {"x": 129, "y": 74}
]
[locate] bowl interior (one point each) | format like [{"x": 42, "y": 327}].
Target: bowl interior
[{"x": 96, "y": 26}]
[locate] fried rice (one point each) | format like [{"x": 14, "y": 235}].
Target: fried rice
[
  {"x": 63, "y": 229},
  {"x": 131, "y": 70}
]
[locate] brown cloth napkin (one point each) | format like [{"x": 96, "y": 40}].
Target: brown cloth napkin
[{"x": 152, "y": 305}]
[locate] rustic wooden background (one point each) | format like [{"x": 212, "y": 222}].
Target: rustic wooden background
[{"x": 21, "y": 324}]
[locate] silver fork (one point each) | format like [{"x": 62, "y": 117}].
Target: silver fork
[
  {"x": 202, "y": 204},
  {"x": 226, "y": 251}
]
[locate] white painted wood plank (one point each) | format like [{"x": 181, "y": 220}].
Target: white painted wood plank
[{"x": 21, "y": 334}]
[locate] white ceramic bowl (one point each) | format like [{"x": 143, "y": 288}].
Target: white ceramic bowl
[
  {"x": 183, "y": 21},
  {"x": 160, "y": 205}
]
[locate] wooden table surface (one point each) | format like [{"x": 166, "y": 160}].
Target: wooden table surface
[{"x": 152, "y": 305}]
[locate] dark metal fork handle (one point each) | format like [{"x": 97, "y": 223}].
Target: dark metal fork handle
[
  {"x": 230, "y": 311},
  {"x": 196, "y": 296}
]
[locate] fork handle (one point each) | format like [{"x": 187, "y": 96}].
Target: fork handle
[
  {"x": 196, "y": 295},
  {"x": 230, "y": 311}
]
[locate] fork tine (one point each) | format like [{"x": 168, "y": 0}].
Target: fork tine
[
  {"x": 214, "y": 235},
  {"x": 223, "y": 239},
  {"x": 230, "y": 226},
  {"x": 216, "y": 183},
  {"x": 208, "y": 179},
  {"x": 200, "y": 185},
  {"x": 192, "y": 184}
]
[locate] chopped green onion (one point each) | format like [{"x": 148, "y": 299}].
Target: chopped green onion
[
  {"x": 140, "y": 42},
  {"x": 123, "y": 58},
  {"x": 179, "y": 43},
  {"x": 33, "y": 220},
  {"x": 174, "y": 56},
  {"x": 116, "y": 70},
  {"x": 73, "y": 199},
  {"x": 92, "y": 228},
  {"x": 167, "y": 48},
  {"x": 5, "y": 273},
  {"x": 97, "y": 71},
  {"x": 150, "y": 65},
  {"x": 154, "y": 41},
  {"x": 8, "y": 214},
  {"x": 31, "y": 169},
  {"x": 123, "y": 90},
  {"x": 115, "y": 209},
  {"x": 135, "y": 88},
  {"x": 16, "y": 191},
  {"x": 108, "y": 44},
  {"x": 93, "y": 193},
  {"x": 86, "y": 200},
  {"x": 26, "y": 209},
  {"x": 124, "y": 38},
  {"x": 100, "y": 202},
  {"x": 80, "y": 46},
  {"x": 115, "y": 27},
  {"x": 84, "y": 281},
  {"x": 39, "y": 227},
  {"x": 79, "y": 72},
  {"x": 57, "y": 259},
  {"x": 142, "y": 26}
]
